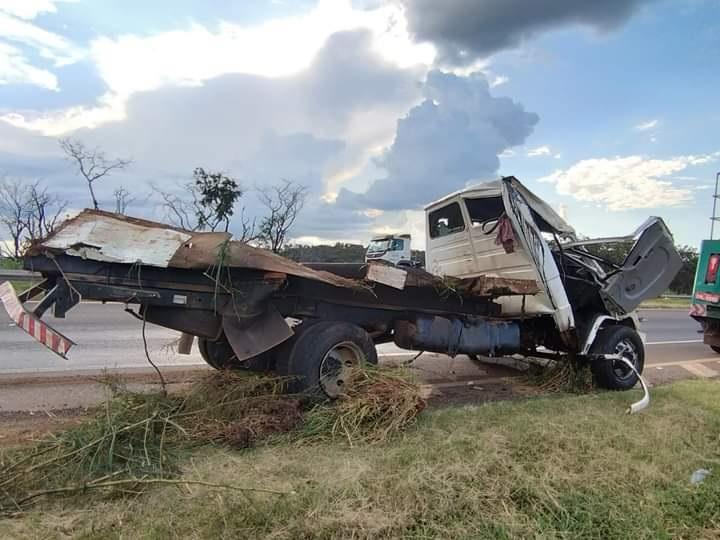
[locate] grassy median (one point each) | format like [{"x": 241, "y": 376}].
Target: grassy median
[{"x": 556, "y": 467}]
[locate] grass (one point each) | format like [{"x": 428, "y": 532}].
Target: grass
[
  {"x": 10, "y": 264},
  {"x": 556, "y": 467},
  {"x": 666, "y": 303}
]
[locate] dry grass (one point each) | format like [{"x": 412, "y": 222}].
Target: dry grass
[
  {"x": 379, "y": 404},
  {"x": 556, "y": 467},
  {"x": 141, "y": 440},
  {"x": 561, "y": 376}
]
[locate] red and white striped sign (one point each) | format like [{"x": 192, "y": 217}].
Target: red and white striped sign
[{"x": 26, "y": 320}]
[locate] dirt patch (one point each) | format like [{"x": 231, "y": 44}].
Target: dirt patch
[
  {"x": 265, "y": 419},
  {"x": 21, "y": 428}
]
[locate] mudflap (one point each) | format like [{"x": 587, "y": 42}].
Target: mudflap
[
  {"x": 39, "y": 330},
  {"x": 261, "y": 334}
]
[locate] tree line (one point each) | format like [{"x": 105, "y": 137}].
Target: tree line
[{"x": 207, "y": 202}]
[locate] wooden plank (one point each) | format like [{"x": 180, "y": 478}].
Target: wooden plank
[{"x": 387, "y": 275}]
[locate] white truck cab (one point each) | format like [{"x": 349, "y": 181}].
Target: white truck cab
[
  {"x": 395, "y": 249},
  {"x": 502, "y": 229}
]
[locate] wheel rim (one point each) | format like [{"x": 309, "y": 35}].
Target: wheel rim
[
  {"x": 337, "y": 366},
  {"x": 626, "y": 349}
]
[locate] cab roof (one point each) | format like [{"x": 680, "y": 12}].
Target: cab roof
[{"x": 494, "y": 188}]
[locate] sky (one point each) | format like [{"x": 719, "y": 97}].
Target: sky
[{"x": 607, "y": 110}]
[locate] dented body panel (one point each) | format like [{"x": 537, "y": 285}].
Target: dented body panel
[{"x": 481, "y": 295}]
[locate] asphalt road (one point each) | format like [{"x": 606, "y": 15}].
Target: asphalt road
[{"x": 107, "y": 337}]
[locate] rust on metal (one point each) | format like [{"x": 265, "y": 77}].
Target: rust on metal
[{"x": 107, "y": 237}]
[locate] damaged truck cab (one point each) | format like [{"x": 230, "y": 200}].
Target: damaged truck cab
[{"x": 506, "y": 275}]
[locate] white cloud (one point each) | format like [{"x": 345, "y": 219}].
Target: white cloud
[
  {"x": 645, "y": 126},
  {"x": 17, "y": 31},
  {"x": 498, "y": 80},
  {"x": 14, "y": 69},
  {"x": 129, "y": 64},
  {"x": 28, "y": 9},
  {"x": 539, "y": 151},
  {"x": 625, "y": 183}
]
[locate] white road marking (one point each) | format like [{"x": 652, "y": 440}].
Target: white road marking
[
  {"x": 682, "y": 362},
  {"x": 675, "y": 342},
  {"x": 700, "y": 370}
]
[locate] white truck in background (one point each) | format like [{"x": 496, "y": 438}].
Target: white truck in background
[{"x": 393, "y": 248}]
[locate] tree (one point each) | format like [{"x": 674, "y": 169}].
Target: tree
[
  {"x": 212, "y": 201},
  {"x": 122, "y": 200},
  {"x": 92, "y": 164},
  {"x": 13, "y": 208},
  {"x": 44, "y": 211},
  {"x": 685, "y": 278},
  {"x": 283, "y": 203},
  {"x": 215, "y": 195},
  {"x": 27, "y": 212}
]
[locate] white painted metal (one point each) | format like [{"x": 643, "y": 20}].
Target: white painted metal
[{"x": 113, "y": 240}]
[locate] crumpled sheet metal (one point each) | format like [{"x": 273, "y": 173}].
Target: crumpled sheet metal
[{"x": 107, "y": 237}]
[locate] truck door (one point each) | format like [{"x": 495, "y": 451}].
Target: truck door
[
  {"x": 533, "y": 243},
  {"x": 647, "y": 271}
]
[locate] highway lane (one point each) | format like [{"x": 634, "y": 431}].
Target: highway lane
[{"x": 107, "y": 337}]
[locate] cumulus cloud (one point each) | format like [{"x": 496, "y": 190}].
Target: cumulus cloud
[
  {"x": 130, "y": 64},
  {"x": 626, "y": 183},
  {"x": 455, "y": 135},
  {"x": 463, "y": 30},
  {"x": 645, "y": 126}
]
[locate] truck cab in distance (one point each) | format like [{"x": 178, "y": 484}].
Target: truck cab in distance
[{"x": 395, "y": 249}]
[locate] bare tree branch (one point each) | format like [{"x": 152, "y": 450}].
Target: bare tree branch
[
  {"x": 284, "y": 202},
  {"x": 28, "y": 212},
  {"x": 122, "y": 200},
  {"x": 13, "y": 208},
  {"x": 178, "y": 211},
  {"x": 44, "y": 212},
  {"x": 92, "y": 164}
]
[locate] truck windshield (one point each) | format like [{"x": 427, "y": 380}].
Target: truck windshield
[{"x": 378, "y": 245}]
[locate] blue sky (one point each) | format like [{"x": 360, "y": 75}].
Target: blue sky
[{"x": 607, "y": 110}]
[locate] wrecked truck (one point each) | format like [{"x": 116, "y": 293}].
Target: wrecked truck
[{"x": 505, "y": 275}]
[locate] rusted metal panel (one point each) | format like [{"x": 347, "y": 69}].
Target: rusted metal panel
[
  {"x": 477, "y": 286},
  {"x": 106, "y": 237}
]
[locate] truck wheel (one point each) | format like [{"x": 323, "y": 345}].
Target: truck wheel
[
  {"x": 321, "y": 357},
  {"x": 614, "y": 374},
  {"x": 715, "y": 348},
  {"x": 219, "y": 355}
]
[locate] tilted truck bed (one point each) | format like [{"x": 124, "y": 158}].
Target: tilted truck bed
[{"x": 206, "y": 285}]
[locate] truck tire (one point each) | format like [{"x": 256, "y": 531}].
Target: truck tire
[
  {"x": 320, "y": 356},
  {"x": 715, "y": 348},
  {"x": 219, "y": 355},
  {"x": 614, "y": 374}
]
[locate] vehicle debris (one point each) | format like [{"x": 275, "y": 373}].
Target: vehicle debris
[{"x": 549, "y": 295}]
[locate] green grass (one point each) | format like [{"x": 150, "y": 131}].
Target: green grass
[
  {"x": 556, "y": 467},
  {"x": 666, "y": 303},
  {"x": 10, "y": 264}
]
